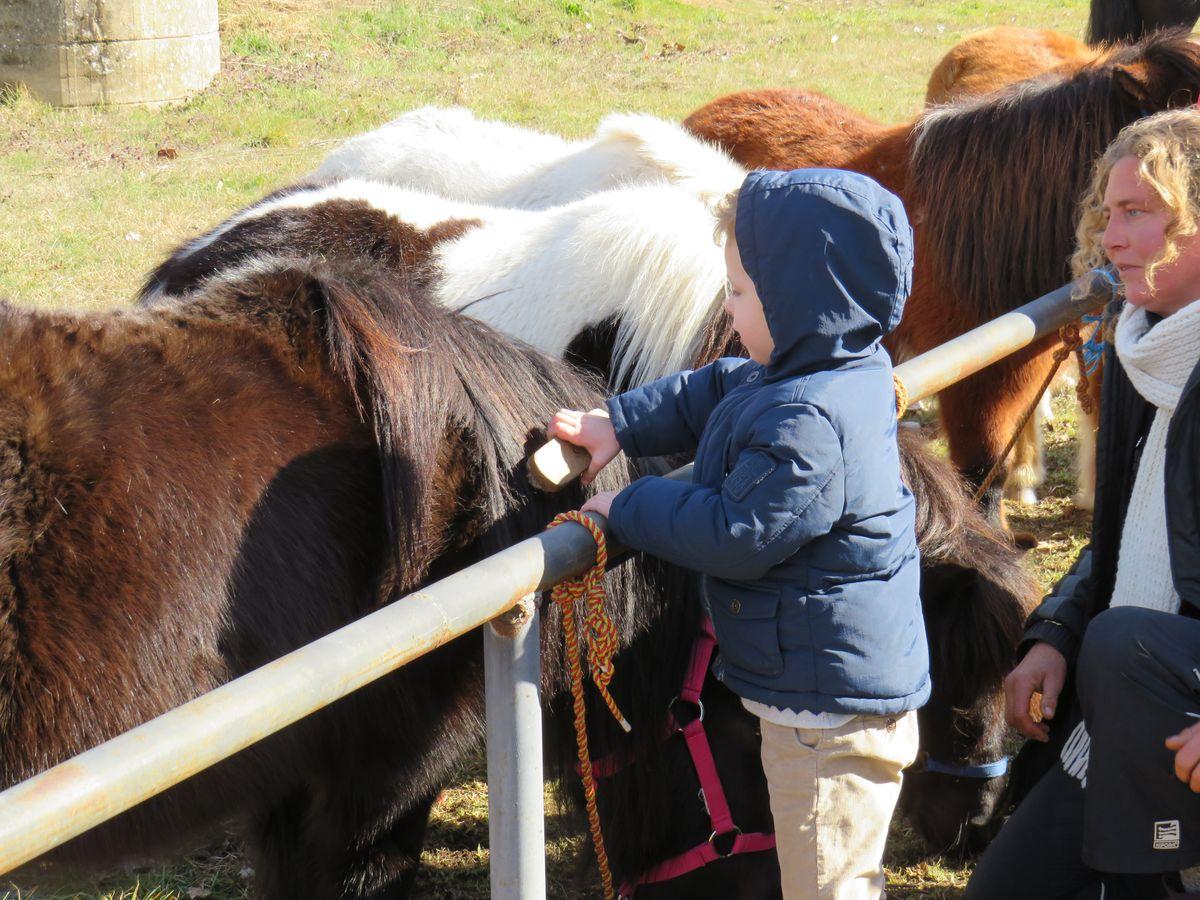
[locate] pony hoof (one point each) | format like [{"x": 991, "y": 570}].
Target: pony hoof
[
  {"x": 1084, "y": 501},
  {"x": 1021, "y": 495}
]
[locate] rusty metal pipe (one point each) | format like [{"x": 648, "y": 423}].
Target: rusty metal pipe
[
  {"x": 557, "y": 464},
  {"x": 978, "y": 348}
]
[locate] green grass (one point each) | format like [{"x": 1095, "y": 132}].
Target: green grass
[{"x": 88, "y": 205}]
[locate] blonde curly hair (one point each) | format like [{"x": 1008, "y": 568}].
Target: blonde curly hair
[{"x": 1167, "y": 146}]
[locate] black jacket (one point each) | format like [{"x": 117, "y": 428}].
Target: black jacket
[{"x": 1125, "y": 419}]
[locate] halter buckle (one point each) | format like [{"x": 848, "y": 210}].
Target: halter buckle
[
  {"x": 681, "y": 723},
  {"x": 733, "y": 834}
]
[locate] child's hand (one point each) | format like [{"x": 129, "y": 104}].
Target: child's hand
[
  {"x": 599, "y": 503},
  {"x": 1186, "y": 745},
  {"x": 593, "y": 431}
]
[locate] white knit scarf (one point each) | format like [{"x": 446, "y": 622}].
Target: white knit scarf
[{"x": 1158, "y": 361}]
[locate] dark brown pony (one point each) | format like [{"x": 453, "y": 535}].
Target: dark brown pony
[
  {"x": 190, "y": 491},
  {"x": 991, "y": 187}
]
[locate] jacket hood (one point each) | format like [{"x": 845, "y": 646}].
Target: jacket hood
[{"x": 830, "y": 254}]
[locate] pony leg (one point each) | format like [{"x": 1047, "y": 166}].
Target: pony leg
[
  {"x": 275, "y": 841},
  {"x": 1027, "y": 470},
  {"x": 980, "y": 414},
  {"x": 370, "y": 850},
  {"x": 1085, "y": 459}
]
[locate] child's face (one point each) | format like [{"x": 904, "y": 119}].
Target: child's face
[
  {"x": 744, "y": 307},
  {"x": 1136, "y": 235}
]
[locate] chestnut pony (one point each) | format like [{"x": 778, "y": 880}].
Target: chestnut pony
[
  {"x": 989, "y": 60},
  {"x": 991, "y": 188}
]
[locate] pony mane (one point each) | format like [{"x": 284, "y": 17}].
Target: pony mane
[
  {"x": 998, "y": 179},
  {"x": 956, "y": 539},
  {"x": 429, "y": 382},
  {"x": 643, "y": 254},
  {"x": 691, "y": 163}
]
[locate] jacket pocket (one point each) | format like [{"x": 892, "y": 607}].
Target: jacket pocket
[{"x": 746, "y": 621}]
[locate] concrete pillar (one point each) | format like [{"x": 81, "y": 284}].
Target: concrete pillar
[{"x": 88, "y": 52}]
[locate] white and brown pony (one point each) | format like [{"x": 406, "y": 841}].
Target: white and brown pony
[
  {"x": 641, "y": 260},
  {"x": 451, "y": 153}
]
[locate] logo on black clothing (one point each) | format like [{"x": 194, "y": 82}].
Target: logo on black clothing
[{"x": 1166, "y": 835}]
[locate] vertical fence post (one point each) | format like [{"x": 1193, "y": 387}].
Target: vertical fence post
[{"x": 516, "y": 819}]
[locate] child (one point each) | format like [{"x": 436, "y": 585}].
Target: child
[{"x": 796, "y": 517}]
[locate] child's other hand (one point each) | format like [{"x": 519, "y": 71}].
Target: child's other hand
[
  {"x": 1186, "y": 745},
  {"x": 593, "y": 431},
  {"x": 599, "y": 503}
]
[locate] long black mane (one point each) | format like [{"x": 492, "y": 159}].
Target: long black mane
[{"x": 998, "y": 179}]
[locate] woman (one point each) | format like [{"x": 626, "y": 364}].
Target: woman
[{"x": 1117, "y": 815}]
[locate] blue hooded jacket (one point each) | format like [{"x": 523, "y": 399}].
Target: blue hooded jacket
[{"x": 796, "y": 517}]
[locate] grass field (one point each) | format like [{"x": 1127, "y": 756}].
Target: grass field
[{"x": 91, "y": 199}]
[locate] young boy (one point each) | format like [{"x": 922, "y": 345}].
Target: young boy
[{"x": 796, "y": 517}]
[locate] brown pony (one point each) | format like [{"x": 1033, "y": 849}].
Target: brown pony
[
  {"x": 991, "y": 187},
  {"x": 190, "y": 491},
  {"x": 989, "y": 60}
]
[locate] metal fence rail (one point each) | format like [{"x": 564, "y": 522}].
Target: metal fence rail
[{"x": 68, "y": 799}]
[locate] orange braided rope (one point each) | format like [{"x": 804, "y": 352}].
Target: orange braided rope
[
  {"x": 901, "y": 396},
  {"x": 601, "y": 637}
]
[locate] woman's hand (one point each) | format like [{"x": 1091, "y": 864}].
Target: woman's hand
[
  {"x": 1043, "y": 670},
  {"x": 1186, "y": 745},
  {"x": 593, "y": 431},
  {"x": 599, "y": 503}
]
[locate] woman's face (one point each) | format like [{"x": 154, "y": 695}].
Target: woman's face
[{"x": 1136, "y": 234}]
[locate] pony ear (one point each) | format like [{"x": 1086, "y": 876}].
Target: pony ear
[{"x": 1134, "y": 82}]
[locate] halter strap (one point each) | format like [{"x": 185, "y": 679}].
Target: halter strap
[
  {"x": 982, "y": 770},
  {"x": 711, "y": 789}
]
